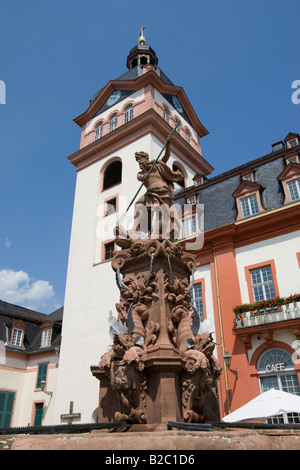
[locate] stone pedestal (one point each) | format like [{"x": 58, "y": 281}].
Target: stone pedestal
[{"x": 159, "y": 369}]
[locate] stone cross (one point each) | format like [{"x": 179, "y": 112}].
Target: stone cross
[{"x": 70, "y": 416}]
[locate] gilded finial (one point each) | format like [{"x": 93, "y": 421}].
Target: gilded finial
[{"x": 142, "y": 39}]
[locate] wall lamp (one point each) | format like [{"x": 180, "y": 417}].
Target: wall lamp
[
  {"x": 227, "y": 360},
  {"x": 43, "y": 385}
]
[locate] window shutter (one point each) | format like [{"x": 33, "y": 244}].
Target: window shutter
[
  {"x": 39, "y": 408},
  {"x": 6, "y": 408},
  {"x": 42, "y": 374}
]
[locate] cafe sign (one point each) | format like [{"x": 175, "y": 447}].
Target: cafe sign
[{"x": 275, "y": 367}]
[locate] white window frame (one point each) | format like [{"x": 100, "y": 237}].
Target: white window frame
[
  {"x": 286, "y": 380},
  {"x": 46, "y": 338},
  {"x": 166, "y": 115},
  {"x": 99, "y": 131},
  {"x": 189, "y": 227},
  {"x": 295, "y": 191},
  {"x": 197, "y": 299},
  {"x": 264, "y": 288},
  {"x": 113, "y": 123},
  {"x": 248, "y": 207},
  {"x": 178, "y": 128},
  {"x": 293, "y": 143},
  {"x": 128, "y": 113},
  {"x": 17, "y": 337}
]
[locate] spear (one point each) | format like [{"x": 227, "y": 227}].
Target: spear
[{"x": 121, "y": 219}]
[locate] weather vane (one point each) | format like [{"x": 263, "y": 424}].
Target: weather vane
[{"x": 142, "y": 39}]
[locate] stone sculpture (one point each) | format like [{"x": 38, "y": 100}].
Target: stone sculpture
[{"x": 161, "y": 364}]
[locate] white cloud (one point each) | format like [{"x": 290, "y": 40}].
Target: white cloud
[
  {"x": 7, "y": 243},
  {"x": 18, "y": 288}
]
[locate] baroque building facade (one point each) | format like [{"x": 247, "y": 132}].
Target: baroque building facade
[
  {"x": 248, "y": 271},
  {"x": 29, "y": 357},
  {"x": 243, "y": 227}
]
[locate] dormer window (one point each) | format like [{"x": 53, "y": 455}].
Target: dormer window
[
  {"x": 46, "y": 338},
  {"x": 47, "y": 328},
  {"x": 249, "y": 205},
  {"x": 248, "y": 199},
  {"x": 292, "y": 140},
  {"x": 294, "y": 189},
  {"x": 17, "y": 337},
  {"x": 17, "y": 333},
  {"x": 189, "y": 227},
  {"x": 290, "y": 179},
  {"x": 248, "y": 174},
  {"x": 292, "y": 143},
  {"x": 191, "y": 200},
  {"x": 248, "y": 178},
  {"x": 294, "y": 159},
  {"x": 198, "y": 179}
]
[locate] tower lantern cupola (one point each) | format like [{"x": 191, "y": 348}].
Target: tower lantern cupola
[{"x": 141, "y": 54}]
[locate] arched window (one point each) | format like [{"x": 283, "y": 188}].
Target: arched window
[
  {"x": 274, "y": 357},
  {"x": 178, "y": 126},
  {"x": 128, "y": 114},
  {"x": 175, "y": 168},
  {"x": 166, "y": 115},
  {"x": 187, "y": 137},
  {"x": 112, "y": 174},
  {"x": 113, "y": 123},
  {"x": 99, "y": 131},
  {"x": 276, "y": 370}
]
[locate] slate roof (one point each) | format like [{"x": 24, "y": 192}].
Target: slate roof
[
  {"x": 33, "y": 332},
  {"x": 216, "y": 193},
  {"x": 133, "y": 74}
]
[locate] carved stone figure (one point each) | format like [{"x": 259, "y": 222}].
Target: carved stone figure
[
  {"x": 124, "y": 364},
  {"x": 161, "y": 351},
  {"x": 159, "y": 182}
]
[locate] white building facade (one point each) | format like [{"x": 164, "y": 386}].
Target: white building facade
[{"x": 136, "y": 112}]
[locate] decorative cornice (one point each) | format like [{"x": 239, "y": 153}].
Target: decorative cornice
[
  {"x": 247, "y": 186},
  {"x": 290, "y": 170},
  {"x": 148, "y": 122},
  {"x": 149, "y": 78},
  {"x": 260, "y": 227}
]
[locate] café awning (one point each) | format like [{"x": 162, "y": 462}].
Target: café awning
[{"x": 270, "y": 403}]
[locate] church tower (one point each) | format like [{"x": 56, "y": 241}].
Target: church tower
[{"x": 135, "y": 112}]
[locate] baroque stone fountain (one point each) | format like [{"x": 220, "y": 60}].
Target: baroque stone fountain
[{"x": 160, "y": 366}]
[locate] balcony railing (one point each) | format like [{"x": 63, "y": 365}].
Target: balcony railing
[{"x": 271, "y": 314}]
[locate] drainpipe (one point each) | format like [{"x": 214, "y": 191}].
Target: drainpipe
[{"x": 221, "y": 332}]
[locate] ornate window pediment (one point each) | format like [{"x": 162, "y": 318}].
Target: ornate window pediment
[
  {"x": 248, "y": 175},
  {"x": 248, "y": 199},
  {"x": 47, "y": 328},
  {"x": 290, "y": 179},
  {"x": 17, "y": 333}
]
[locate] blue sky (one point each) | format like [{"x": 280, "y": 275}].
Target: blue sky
[{"x": 236, "y": 61}]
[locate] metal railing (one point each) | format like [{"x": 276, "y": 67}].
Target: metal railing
[{"x": 267, "y": 315}]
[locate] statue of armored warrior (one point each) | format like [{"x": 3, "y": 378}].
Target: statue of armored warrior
[{"x": 158, "y": 180}]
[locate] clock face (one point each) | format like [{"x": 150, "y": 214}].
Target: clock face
[
  {"x": 114, "y": 97},
  {"x": 177, "y": 104}
]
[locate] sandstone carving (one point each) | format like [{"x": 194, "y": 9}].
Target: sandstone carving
[{"x": 159, "y": 342}]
